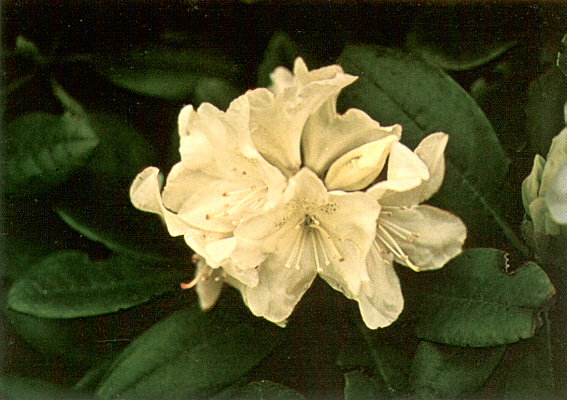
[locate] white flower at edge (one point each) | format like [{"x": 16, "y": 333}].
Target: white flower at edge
[
  {"x": 556, "y": 197},
  {"x": 268, "y": 195},
  {"x": 544, "y": 190}
]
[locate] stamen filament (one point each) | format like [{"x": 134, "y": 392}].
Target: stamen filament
[
  {"x": 293, "y": 250},
  {"x": 319, "y": 269},
  {"x": 249, "y": 198},
  {"x": 395, "y": 248},
  {"x": 325, "y": 234},
  {"x": 398, "y": 230},
  {"x": 322, "y": 243}
]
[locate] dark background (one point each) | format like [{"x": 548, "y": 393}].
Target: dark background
[{"x": 242, "y": 31}]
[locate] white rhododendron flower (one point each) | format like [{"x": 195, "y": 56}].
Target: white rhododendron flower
[
  {"x": 272, "y": 193},
  {"x": 544, "y": 191}
]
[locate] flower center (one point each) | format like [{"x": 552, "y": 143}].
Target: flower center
[
  {"x": 240, "y": 201},
  {"x": 324, "y": 249},
  {"x": 389, "y": 233}
]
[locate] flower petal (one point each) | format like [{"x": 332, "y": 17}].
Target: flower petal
[
  {"x": 541, "y": 217},
  {"x": 431, "y": 150},
  {"x": 555, "y": 157},
  {"x": 277, "y": 118},
  {"x": 145, "y": 195},
  {"x": 279, "y": 287},
  {"x": 413, "y": 177},
  {"x": 530, "y": 186},
  {"x": 359, "y": 167},
  {"x": 327, "y": 135},
  {"x": 430, "y": 236},
  {"x": 221, "y": 177},
  {"x": 381, "y": 300},
  {"x": 351, "y": 228},
  {"x": 556, "y": 197}
]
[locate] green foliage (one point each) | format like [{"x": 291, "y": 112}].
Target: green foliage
[
  {"x": 457, "y": 43},
  {"x": 281, "y": 52},
  {"x": 69, "y": 285},
  {"x": 44, "y": 150},
  {"x": 447, "y": 372},
  {"x": 544, "y": 111},
  {"x": 397, "y": 88},
  {"x": 261, "y": 390},
  {"x": 361, "y": 387},
  {"x": 190, "y": 354},
  {"x": 532, "y": 377},
  {"x": 476, "y": 301},
  {"x": 17, "y": 388},
  {"x": 170, "y": 71}
]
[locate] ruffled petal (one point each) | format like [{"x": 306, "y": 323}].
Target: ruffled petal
[
  {"x": 427, "y": 236},
  {"x": 221, "y": 178},
  {"x": 327, "y": 135},
  {"x": 145, "y": 195},
  {"x": 277, "y": 117}
]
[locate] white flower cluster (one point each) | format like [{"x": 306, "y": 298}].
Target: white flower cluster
[{"x": 280, "y": 188}]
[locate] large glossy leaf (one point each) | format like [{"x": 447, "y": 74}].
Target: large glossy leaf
[
  {"x": 476, "y": 302},
  {"x": 190, "y": 354},
  {"x": 397, "y": 88},
  {"x": 69, "y": 285},
  {"x": 167, "y": 71},
  {"x": 449, "y": 372},
  {"x": 44, "y": 150}
]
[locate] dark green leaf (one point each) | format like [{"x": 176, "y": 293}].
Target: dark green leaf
[
  {"x": 383, "y": 355},
  {"x": 397, "y": 88},
  {"x": 476, "y": 302},
  {"x": 532, "y": 377},
  {"x": 544, "y": 110},
  {"x": 17, "y": 388},
  {"x": 361, "y": 387},
  {"x": 78, "y": 341},
  {"x": 170, "y": 72},
  {"x": 457, "y": 43},
  {"x": 281, "y": 51},
  {"x": 43, "y": 150},
  {"x": 449, "y": 372},
  {"x": 191, "y": 354},
  {"x": 261, "y": 390},
  {"x": 69, "y": 285}
]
